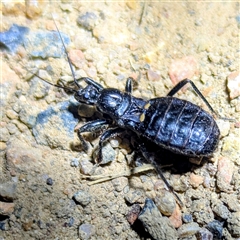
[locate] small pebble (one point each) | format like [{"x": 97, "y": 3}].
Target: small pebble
[
  {"x": 21, "y": 157},
  {"x": 71, "y": 222},
  {"x": 27, "y": 225},
  {"x": 224, "y": 126},
  {"x": 146, "y": 66},
  {"x": 233, "y": 85},
  {"x": 87, "y": 20},
  {"x": 85, "y": 166},
  {"x": 3, "y": 146},
  {"x": 17, "y": 213},
  {"x": 165, "y": 203},
  {"x": 82, "y": 197},
  {"x": 149, "y": 57},
  {"x": 221, "y": 211},
  {"x": 28, "y": 114},
  {"x": 119, "y": 183},
  {"x": 115, "y": 142},
  {"x": 74, "y": 162},
  {"x": 121, "y": 77},
  {"x": 187, "y": 218},
  {"x": 39, "y": 89},
  {"x": 216, "y": 228},
  {"x": 45, "y": 44},
  {"x": 11, "y": 39},
  {"x": 132, "y": 4},
  {"x": 41, "y": 224},
  {"x": 224, "y": 173},
  {"x": 66, "y": 7},
  {"x": 12, "y": 128},
  {"x": 86, "y": 231},
  {"x": 231, "y": 201},
  {"x": 212, "y": 169},
  {"x": 207, "y": 182},
  {"x": 77, "y": 58},
  {"x": 182, "y": 68},
  {"x": 5, "y": 89},
  {"x": 134, "y": 195},
  {"x": 153, "y": 76},
  {"x": 54, "y": 127},
  {"x": 6, "y": 208},
  {"x": 4, "y": 134},
  {"x": 34, "y": 8},
  {"x": 108, "y": 153},
  {"x": 11, "y": 114},
  {"x": 238, "y": 18},
  {"x": 234, "y": 224},
  {"x": 3, "y": 226},
  {"x": 158, "y": 227},
  {"x": 15, "y": 8},
  {"x": 188, "y": 229},
  {"x": 214, "y": 58},
  {"x": 132, "y": 215},
  {"x": 49, "y": 181},
  {"x": 202, "y": 211},
  {"x": 176, "y": 217},
  {"x": 195, "y": 180},
  {"x": 179, "y": 184},
  {"x": 204, "y": 234},
  {"x": 8, "y": 191},
  {"x": 231, "y": 147}
]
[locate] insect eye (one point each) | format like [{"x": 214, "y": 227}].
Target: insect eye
[
  {"x": 93, "y": 93},
  {"x": 86, "y": 95}
]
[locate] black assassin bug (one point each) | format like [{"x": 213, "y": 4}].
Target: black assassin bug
[{"x": 171, "y": 123}]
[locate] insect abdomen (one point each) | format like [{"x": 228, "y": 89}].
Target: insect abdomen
[{"x": 180, "y": 126}]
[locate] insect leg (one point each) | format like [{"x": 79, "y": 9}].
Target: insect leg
[
  {"x": 105, "y": 136},
  {"x": 93, "y": 126},
  {"x": 150, "y": 159},
  {"x": 91, "y": 82},
  {"x": 128, "y": 87},
  {"x": 183, "y": 83}
]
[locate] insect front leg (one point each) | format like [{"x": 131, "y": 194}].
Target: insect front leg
[
  {"x": 128, "y": 87},
  {"x": 93, "y": 126},
  {"x": 105, "y": 136},
  {"x": 91, "y": 82}
]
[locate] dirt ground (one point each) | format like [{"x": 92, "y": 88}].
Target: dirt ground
[{"x": 44, "y": 193}]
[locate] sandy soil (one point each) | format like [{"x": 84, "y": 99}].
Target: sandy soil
[{"x": 163, "y": 43}]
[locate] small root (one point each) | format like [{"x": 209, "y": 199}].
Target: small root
[{"x": 107, "y": 177}]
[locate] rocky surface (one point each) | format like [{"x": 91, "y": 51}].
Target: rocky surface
[{"x": 44, "y": 192}]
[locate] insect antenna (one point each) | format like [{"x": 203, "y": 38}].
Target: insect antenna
[
  {"x": 55, "y": 85},
  {"x": 72, "y": 90},
  {"x": 69, "y": 62}
]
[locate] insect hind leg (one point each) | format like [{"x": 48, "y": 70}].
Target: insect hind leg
[
  {"x": 181, "y": 84},
  {"x": 150, "y": 159}
]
